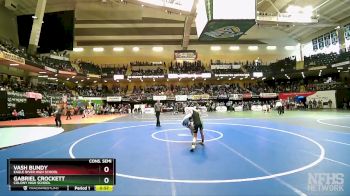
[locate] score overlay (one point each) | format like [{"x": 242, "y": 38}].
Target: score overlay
[{"x": 95, "y": 174}]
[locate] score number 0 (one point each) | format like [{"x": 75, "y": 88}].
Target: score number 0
[{"x": 106, "y": 170}]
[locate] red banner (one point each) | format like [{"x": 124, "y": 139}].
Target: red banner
[{"x": 285, "y": 96}]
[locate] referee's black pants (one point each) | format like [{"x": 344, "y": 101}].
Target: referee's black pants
[
  {"x": 158, "y": 121},
  {"x": 58, "y": 121}
]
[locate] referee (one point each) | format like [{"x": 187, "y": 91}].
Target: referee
[{"x": 158, "y": 109}]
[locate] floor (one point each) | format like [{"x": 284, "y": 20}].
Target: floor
[{"x": 245, "y": 153}]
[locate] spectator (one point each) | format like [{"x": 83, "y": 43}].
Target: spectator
[
  {"x": 14, "y": 114},
  {"x": 21, "y": 114}
]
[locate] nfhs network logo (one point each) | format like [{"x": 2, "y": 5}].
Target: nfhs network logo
[{"x": 325, "y": 182}]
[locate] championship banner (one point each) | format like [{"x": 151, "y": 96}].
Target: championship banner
[
  {"x": 67, "y": 73},
  {"x": 159, "y": 98},
  {"x": 198, "y": 97},
  {"x": 93, "y": 76},
  {"x": 50, "y": 69},
  {"x": 225, "y": 29},
  {"x": 235, "y": 97},
  {"x": 285, "y": 96},
  {"x": 268, "y": 95},
  {"x": 185, "y": 55},
  {"x": 181, "y": 97},
  {"x": 33, "y": 95},
  {"x": 114, "y": 99}
]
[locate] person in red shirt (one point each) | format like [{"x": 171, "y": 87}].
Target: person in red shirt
[{"x": 15, "y": 114}]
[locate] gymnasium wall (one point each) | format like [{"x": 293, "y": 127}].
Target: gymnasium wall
[
  {"x": 176, "y": 83},
  {"x": 8, "y": 22},
  {"x": 204, "y": 54}
]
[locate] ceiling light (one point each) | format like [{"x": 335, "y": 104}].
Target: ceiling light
[
  {"x": 253, "y": 48},
  {"x": 289, "y": 47},
  {"x": 56, "y": 74},
  {"x": 215, "y": 48},
  {"x": 73, "y": 76},
  {"x": 81, "y": 80},
  {"x": 234, "y": 48},
  {"x": 271, "y": 47},
  {"x": 118, "y": 49},
  {"x": 42, "y": 72},
  {"x": 67, "y": 78},
  {"x": 14, "y": 64},
  {"x": 43, "y": 76},
  {"x": 135, "y": 49},
  {"x": 78, "y": 49},
  {"x": 95, "y": 81},
  {"x": 98, "y": 49},
  {"x": 157, "y": 49},
  {"x": 105, "y": 80},
  {"x": 76, "y": 82},
  {"x": 34, "y": 17}
]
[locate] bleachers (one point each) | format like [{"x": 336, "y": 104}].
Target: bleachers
[{"x": 326, "y": 59}]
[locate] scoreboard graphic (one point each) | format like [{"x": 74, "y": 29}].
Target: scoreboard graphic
[{"x": 96, "y": 174}]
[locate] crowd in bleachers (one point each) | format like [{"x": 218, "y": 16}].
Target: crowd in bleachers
[
  {"x": 7, "y": 46},
  {"x": 43, "y": 88},
  {"x": 57, "y": 64},
  {"x": 145, "y": 63},
  {"x": 147, "y": 72},
  {"x": 187, "y": 67},
  {"x": 326, "y": 59},
  {"x": 113, "y": 69},
  {"x": 285, "y": 65},
  {"x": 88, "y": 67}
]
